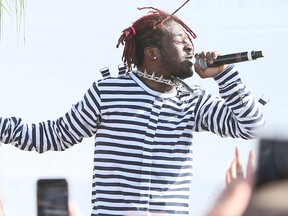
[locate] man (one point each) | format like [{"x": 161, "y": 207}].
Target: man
[{"x": 144, "y": 121}]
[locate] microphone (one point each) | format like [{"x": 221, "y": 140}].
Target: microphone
[{"x": 231, "y": 58}]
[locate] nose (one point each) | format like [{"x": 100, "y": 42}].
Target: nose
[{"x": 189, "y": 47}]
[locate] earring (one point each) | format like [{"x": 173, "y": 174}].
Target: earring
[{"x": 154, "y": 58}]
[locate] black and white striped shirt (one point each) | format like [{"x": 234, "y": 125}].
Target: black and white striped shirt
[{"x": 143, "y": 138}]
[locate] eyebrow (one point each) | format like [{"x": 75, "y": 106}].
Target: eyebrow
[{"x": 181, "y": 35}]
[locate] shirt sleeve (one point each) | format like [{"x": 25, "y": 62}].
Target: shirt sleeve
[
  {"x": 81, "y": 121},
  {"x": 235, "y": 113}
]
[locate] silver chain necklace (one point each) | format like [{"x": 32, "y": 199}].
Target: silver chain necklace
[
  {"x": 175, "y": 81},
  {"x": 155, "y": 78}
]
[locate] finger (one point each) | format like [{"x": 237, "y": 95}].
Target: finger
[
  {"x": 214, "y": 55},
  {"x": 233, "y": 170},
  {"x": 238, "y": 157},
  {"x": 202, "y": 55},
  {"x": 228, "y": 177},
  {"x": 239, "y": 169},
  {"x": 250, "y": 170},
  {"x": 209, "y": 58},
  {"x": 231, "y": 174}
]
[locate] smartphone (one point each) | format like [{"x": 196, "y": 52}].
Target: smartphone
[
  {"x": 52, "y": 197},
  {"x": 272, "y": 161}
]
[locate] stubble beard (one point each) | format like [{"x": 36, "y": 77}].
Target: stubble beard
[
  {"x": 178, "y": 69},
  {"x": 185, "y": 72}
]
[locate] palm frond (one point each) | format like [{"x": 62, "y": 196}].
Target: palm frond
[{"x": 13, "y": 7}]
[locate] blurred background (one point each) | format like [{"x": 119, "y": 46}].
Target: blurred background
[{"x": 50, "y": 58}]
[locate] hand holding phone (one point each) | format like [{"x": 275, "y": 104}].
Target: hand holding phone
[{"x": 52, "y": 197}]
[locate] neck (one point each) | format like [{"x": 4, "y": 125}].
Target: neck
[{"x": 155, "y": 82}]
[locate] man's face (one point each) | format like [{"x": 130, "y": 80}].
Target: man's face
[{"x": 177, "y": 51}]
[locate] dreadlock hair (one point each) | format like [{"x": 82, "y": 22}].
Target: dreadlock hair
[{"x": 146, "y": 31}]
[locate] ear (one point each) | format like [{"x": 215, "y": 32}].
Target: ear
[{"x": 151, "y": 53}]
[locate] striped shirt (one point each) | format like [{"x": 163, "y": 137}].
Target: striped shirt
[{"x": 143, "y": 138}]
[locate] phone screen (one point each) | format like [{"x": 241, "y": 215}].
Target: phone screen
[
  {"x": 52, "y": 197},
  {"x": 272, "y": 161}
]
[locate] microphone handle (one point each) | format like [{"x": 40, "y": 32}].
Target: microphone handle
[{"x": 231, "y": 58}]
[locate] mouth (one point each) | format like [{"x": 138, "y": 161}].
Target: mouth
[
  {"x": 189, "y": 60},
  {"x": 189, "y": 57}
]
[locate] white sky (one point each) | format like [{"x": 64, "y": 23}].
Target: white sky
[{"x": 67, "y": 42}]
